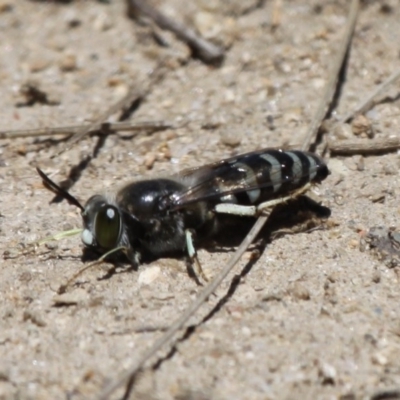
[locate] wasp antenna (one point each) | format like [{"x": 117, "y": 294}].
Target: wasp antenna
[{"x": 52, "y": 186}]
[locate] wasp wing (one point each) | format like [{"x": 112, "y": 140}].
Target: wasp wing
[{"x": 249, "y": 178}]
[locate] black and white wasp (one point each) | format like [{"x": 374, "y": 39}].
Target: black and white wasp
[{"x": 159, "y": 216}]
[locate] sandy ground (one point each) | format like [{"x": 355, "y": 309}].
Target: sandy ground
[{"x": 313, "y": 318}]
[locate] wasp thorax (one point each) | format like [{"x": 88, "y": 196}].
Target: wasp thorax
[{"x": 102, "y": 224}]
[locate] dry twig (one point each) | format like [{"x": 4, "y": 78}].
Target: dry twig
[
  {"x": 135, "y": 93},
  {"x": 205, "y": 50},
  {"x": 109, "y": 127},
  {"x": 368, "y": 103},
  {"x": 364, "y": 146},
  {"x": 330, "y": 87}
]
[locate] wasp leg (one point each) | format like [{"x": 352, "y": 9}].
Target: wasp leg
[
  {"x": 252, "y": 211},
  {"x": 63, "y": 288},
  {"x": 133, "y": 256},
  {"x": 236, "y": 209},
  {"x": 194, "y": 260},
  {"x": 272, "y": 203}
]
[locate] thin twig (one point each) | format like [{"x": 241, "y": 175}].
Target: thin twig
[
  {"x": 135, "y": 93},
  {"x": 210, "y": 288},
  {"x": 109, "y": 127},
  {"x": 205, "y": 50},
  {"x": 329, "y": 89},
  {"x": 369, "y": 102},
  {"x": 364, "y": 146},
  {"x": 177, "y": 325}
]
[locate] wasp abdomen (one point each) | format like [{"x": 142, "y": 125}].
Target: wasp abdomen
[{"x": 267, "y": 175}]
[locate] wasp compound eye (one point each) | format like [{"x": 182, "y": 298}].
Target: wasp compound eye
[{"x": 107, "y": 227}]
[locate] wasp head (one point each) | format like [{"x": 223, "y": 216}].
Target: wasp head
[
  {"x": 102, "y": 224},
  {"x": 105, "y": 225}
]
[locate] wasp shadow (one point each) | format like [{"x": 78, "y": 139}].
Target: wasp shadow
[{"x": 298, "y": 215}]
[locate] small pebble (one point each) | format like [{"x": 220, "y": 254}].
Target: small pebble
[
  {"x": 377, "y": 197},
  {"x": 57, "y": 43},
  {"x": 230, "y": 96},
  {"x": 325, "y": 311},
  {"x": 361, "y": 126},
  {"x": 389, "y": 169},
  {"x": 332, "y": 277},
  {"x": 230, "y": 137},
  {"x": 353, "y": 243},
  {"x": 149, "y": 160},
  {"x": 327, "y": 373},
  {"x": 102, "y": 22},
  {"x": 25, "y": 277},
  {"x": 360, "y": 165},
  {"x": 72, "y": 18},
  {"x": 272, "y": 296},
  {"x": 34, "y": 317},
  {"x": 21, "y": 150},
  {"x": 163, "y": 152},
  {"x": 376, "y": 277},
  {"x": 51, "y": 245},
  {"x": 299, "y": 291},
  {"x": 379, "y": 359},
  {"x": 39, "y": 63},
  {"x": 208, "y": 24},
  {"x": 68, "y": 62},
  {"x": 148, "y": 275},
  {"x": 343, "y": 132},
  {"x": 330, "y": 294},
  {"x": 338, "y": 167},
  {"x": 270, "y": 122}
]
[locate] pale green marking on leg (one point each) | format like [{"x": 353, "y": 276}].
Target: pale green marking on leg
[
  {"x": 189, "y": 244},
  {"x": 193, "y": 255}
]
